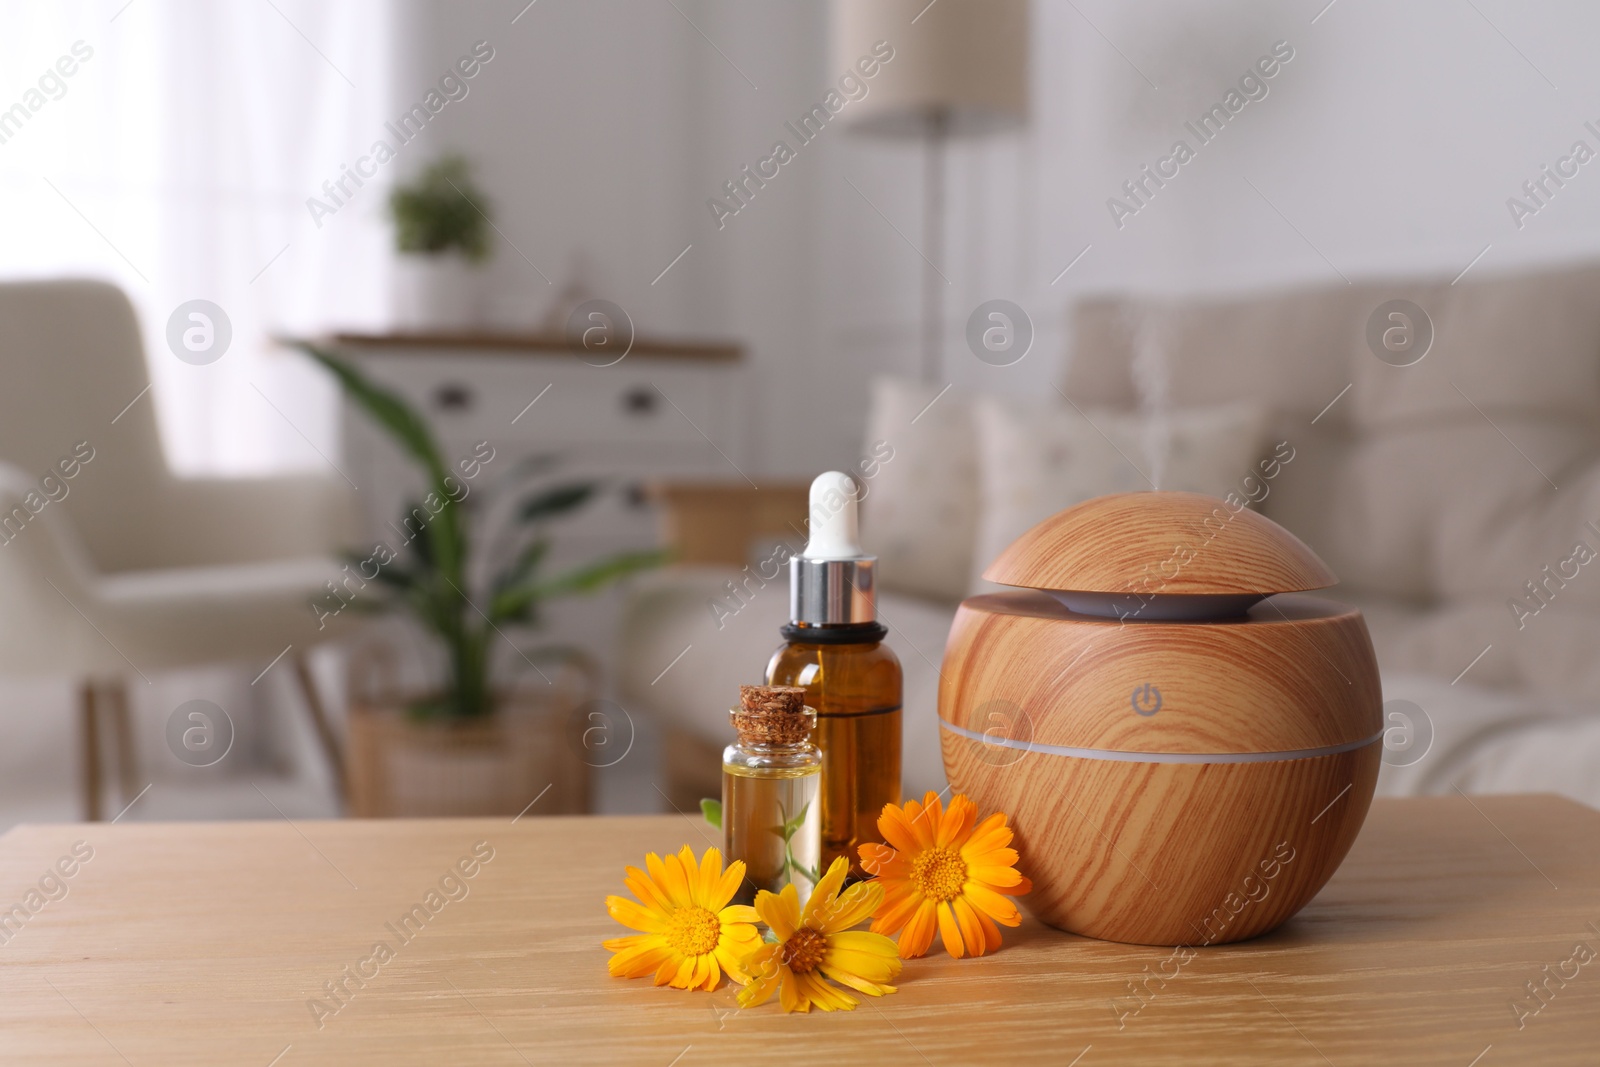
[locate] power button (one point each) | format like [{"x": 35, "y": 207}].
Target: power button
[{"x": 1146, "y": 700}]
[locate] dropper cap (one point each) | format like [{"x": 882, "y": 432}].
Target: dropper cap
[{"x": 831, "y": 582}]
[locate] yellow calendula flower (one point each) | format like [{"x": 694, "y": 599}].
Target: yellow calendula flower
[
  {"x": 940, "y": 871},
  {"x": 689, "y": 934},
  {"x": 819, "y": 943}
]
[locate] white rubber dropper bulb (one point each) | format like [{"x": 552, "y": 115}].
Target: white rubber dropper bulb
[{"x": 834, "y": 530}]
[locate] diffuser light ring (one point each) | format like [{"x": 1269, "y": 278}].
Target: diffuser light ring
[
  {"x": 1118, "y": 756},
  {"x": 1160, "y": 543}
]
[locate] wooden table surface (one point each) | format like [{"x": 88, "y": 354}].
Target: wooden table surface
[{"x": 184, "y": 943}]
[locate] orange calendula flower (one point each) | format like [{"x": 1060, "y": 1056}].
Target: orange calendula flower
[
  {"x": 819, "y": 943},
  {"x": 689, "y": 934},
  {"x": 939, "y": 870}
]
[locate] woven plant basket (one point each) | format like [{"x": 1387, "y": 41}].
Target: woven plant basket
[{"x": 530, "y": 746}]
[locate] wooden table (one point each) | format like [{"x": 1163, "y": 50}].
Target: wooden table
[{"x": 204, "y": 943}]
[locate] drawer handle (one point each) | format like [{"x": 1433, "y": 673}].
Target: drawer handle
[
  {"x": 453, "y": 396},
  {"x": 641, "y": 400}
]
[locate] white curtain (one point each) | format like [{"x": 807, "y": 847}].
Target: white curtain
[{"x": 176, "y": 160}]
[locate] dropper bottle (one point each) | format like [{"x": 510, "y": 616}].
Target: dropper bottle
[{"x": 834, "y": 650}]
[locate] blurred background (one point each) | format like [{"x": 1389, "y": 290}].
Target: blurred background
[{"x": 406, "y": 403}]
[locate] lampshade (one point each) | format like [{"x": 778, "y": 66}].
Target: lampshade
[{"x": 960, "y": 68}]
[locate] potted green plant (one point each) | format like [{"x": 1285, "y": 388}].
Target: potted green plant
[
  {"x": 441, "y": 224},
  {"x": 473, "y": 745}
]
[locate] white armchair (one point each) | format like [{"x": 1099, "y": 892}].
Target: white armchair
[{"x": 123, "y": 569}]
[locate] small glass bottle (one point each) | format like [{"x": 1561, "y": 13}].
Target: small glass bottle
[{"x": 771, "y": 818}]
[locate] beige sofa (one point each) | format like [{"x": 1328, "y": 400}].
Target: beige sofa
[{"x": 1445, "y": 494}]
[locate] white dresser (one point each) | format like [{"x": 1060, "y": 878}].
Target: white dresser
[{"x": 665, "y": 412}]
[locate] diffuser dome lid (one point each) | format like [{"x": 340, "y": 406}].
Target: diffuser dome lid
[{"x": 1160, "y": 543}]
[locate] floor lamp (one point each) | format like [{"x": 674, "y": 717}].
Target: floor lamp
[{"x": 959, "y": 68}]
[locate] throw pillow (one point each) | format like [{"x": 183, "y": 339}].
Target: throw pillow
[
  {"x": 919, "y": 514},
  {"x": 1034, "y": 461}
]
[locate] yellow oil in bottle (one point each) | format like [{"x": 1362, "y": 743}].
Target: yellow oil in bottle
[
  {"x": 771, "y": 820},
  {"x": 855, "y": 689}
]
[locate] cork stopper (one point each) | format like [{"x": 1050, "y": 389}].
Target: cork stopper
[{"x": 773, "y": 715}]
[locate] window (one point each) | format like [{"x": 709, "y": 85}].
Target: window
[{"x": 170, "y": 146}]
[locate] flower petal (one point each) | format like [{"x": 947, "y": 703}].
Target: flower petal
[
  {"x": 972, "y": 931},
  {"x": 824, "y": 996},
  {"x": 991, "y": 932},
  {"x": 789, "y": 994},
  {"x": 731, "y": 956},
  {"x": 993, "y": 904},
  {"x": 726, "y": 886},
  {"x": 704, "y": 965},
  {"x": 649, "y": 894},
  {"x": 642, "y": 958},
  {"x": 895, "y": 826},
  {"x": 823, "y": 894},
  {"x": 855, "y": 905},
  {"x": 635, "y": 916},
  {"x": 918, "y": 934},
  {"x": 617, "y": 944},
  {"x": 738, "y": 913},
  {"x": 957, "y": 822},
  {"x": 883, "y": 861},
  {"x": 685, "y": 978},
  {"x": 997, "y": 878},
  {"x": 899, "y": 904},
  {"x": 668, "y": 874},
  {"x": 739, "y": 938},
  {"x": 990, "y": 833},
  {"x": 668, "y": 971},
  {"x": 856, "y": 982},
  {"x": 710, "y": 873},
  {"x": 691, "y": 874},
  {"x": 780, "y": 911},
  {"x": 991, "y": 857},
  {"x": 950, "y": 931},
  {"x": 762, "y": 968},
  {"x": 870, "y": 956},
  {"x": 925, "y": 822},
  {"x": 762, "y": 961}
]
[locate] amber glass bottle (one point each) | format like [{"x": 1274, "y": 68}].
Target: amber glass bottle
[
  {"x": 855, "y": 688},
  {"x": 835, "y": 652}
]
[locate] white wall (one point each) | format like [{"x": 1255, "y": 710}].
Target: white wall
[{"x": 1390, "y": 142}]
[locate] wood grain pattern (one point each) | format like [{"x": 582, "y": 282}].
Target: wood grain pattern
[
  {"x": 1160, "y": 543},
  {"x": 1157, "y": 847},
  {"x": 1170, "y": 854},
  {"x": 1297, "y": 673},
  {"x": 183, "y": 944}
]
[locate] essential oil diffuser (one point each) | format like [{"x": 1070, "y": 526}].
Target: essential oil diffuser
[{"x": 1185, "y": 762}]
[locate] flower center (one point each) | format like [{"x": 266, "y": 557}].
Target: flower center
[
  {"x": 939, "y": 873},
  {"x": 694, "y": 931},
  {"x": 803, "y": 951}
]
